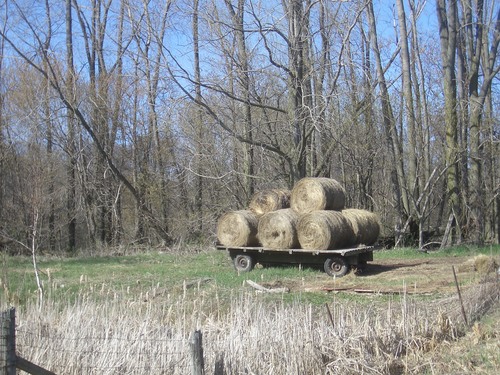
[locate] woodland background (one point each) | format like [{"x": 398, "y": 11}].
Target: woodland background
[{"x": 141, "y": 122}]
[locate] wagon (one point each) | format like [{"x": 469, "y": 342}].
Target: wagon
[{"x": 335, "y": 262}]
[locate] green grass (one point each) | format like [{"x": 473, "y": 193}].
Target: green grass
[
  {"x": 139, "y": 273},
  {"x": 411, "y": 253},
  {"x": 183, "y": 289},
  {"x": 133, "y": 273}
]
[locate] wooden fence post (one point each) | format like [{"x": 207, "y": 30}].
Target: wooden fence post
[
  {"x": 464, "y": 315},
  {"x": 9, "y": 360},
  {"x": 8, "y": 342},
  {"x": 219, "y": 365},
  {"x": 198, "y": 365}
]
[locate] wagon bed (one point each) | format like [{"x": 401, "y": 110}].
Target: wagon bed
[{"x": 336, "y": 262}]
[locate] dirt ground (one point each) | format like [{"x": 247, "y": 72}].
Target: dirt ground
[
  {"x": 424, "y": 276},
  {"x": 434, "y": 275}
]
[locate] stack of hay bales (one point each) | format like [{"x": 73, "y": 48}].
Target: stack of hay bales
[{"x": 312, "y": 216}]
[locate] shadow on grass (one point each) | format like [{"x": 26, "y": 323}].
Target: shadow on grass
[
  {"x": 371, "y": 269},
  {"x": 374, "y": 268}
]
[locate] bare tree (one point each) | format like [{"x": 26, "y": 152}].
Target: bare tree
[
  {"x": 447, "y": 19},
  {"x": 409, "y": 110},
  {"x": 396, "y": 154},
  {"x": 71, "y": 146},
  {"x": 94, "y": 124},
  {"x": 150, "y": 169},
  {"x": 153, "y": 118},
  {"x": 2, "y": 120},
  {"x": 242, "y": 66},
  {"x": 481, "y": 52},
  {"x": 198, "y": 118}
]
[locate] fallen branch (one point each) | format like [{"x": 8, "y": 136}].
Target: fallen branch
[
  {"x": 371, "y": 291},
  {"x": 261, "y": 288}
]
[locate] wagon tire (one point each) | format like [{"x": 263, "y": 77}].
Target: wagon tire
[
  {"x": 336, "y": 266},
  {"x": 243, "y": 263}
]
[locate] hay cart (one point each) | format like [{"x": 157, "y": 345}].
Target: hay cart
[{"x": 335, "y": 262}]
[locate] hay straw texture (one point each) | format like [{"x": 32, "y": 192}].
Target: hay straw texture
[
  {"x": 324, "y": 230},
  {"x": 365, "y": 225},
  {"x": 266, "y": 201},
  {"x": 278, "y": 229},
  {"x": 311, "y": 194},
  {"x": 485, "y": 264},
  {"x": 238, "y": 228}
]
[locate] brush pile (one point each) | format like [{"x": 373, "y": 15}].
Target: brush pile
[{"x": 312, "y": 216}]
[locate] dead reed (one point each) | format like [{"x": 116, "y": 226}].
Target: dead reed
[{"x": 130, "y": 334}]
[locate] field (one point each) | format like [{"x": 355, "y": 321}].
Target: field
[{"x": 132, "y": 312}]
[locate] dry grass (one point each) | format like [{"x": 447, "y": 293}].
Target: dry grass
[
  {"x": 149, "y": 333},
  {"x": 485, "y": 264}
]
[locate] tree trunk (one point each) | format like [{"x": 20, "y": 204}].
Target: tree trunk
[
  {"x": 199, "y": 122},
  {"x": 391, "y": 133},
  {"x": 447, "y": 19},
  {"x": 243, "y": 73},
  {"x": 409, "y": 110},
  {"x": 50, "y": 171},
  {"x": 297, "y": 113},
  {"x": 71, "y": 141},
  {"x": 2, "y": 176},
  {"x": 153, "y": 76},
  {"x": 117, "y": 124}
]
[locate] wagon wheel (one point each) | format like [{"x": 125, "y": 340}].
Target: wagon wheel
[
  {"x": 243, "y": 263},
  {"x": 336, "y": 266}
]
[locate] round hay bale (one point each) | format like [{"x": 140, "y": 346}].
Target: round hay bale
[
  {"x": 266, "y": 201},
  {"x": 365, "y": 225},
  {"x": 238, "y": 228},
  {"x": 467, "y": 266},
  {"x": 324, "y": 230},
  {"x": 317, "y": 193},
  {"x": 278, "y": 229},
  {"x": 484, "y": 264}
]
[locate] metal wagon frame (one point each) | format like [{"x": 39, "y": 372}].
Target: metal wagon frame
[{"x": 335, "y": 263}]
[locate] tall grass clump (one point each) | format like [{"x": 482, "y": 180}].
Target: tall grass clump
[{"x": 118, "y": 333}]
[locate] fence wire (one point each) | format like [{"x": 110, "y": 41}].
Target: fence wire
[
  {"x": 159, "y": 352},
  {"x": 106, "y": 354}
]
